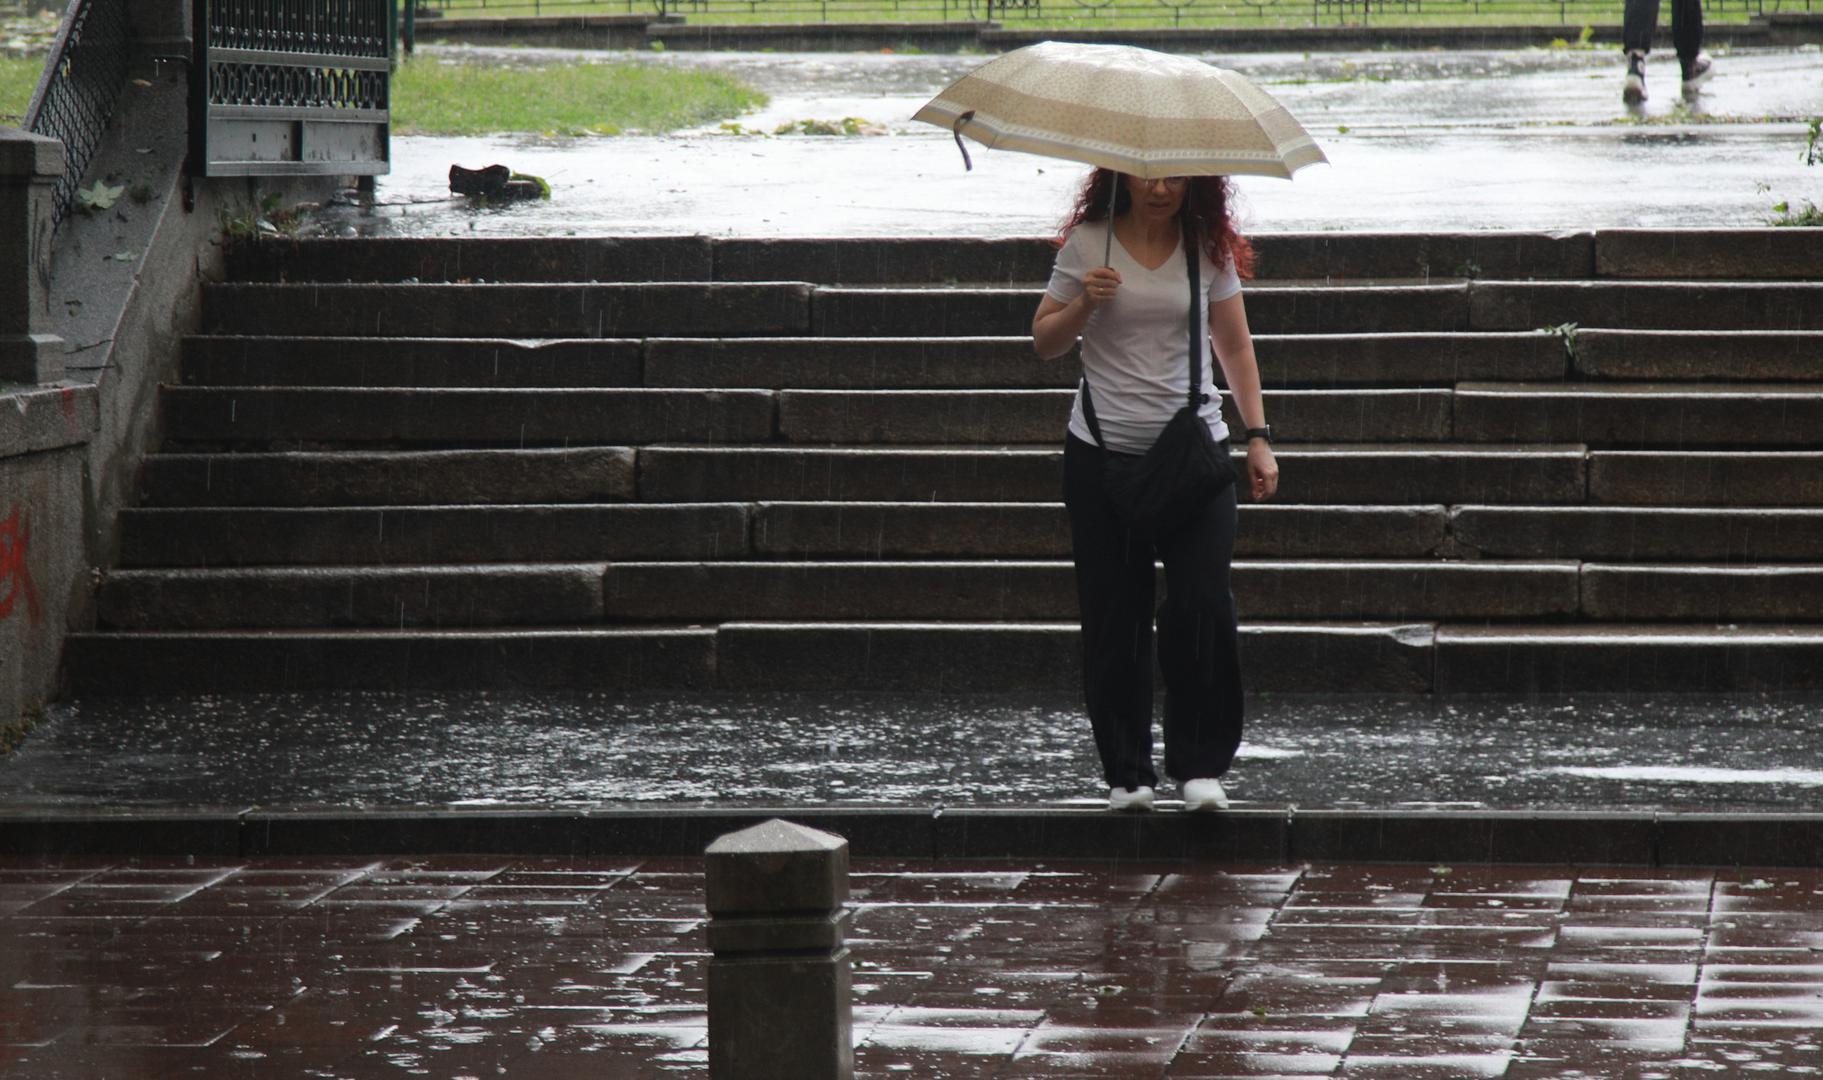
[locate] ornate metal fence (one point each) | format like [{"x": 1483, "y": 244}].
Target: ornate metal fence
[
  {"x": 80, "y": 86},
  {"x": 1104, "y": 12},
  {"x": 288, "y": 87}
]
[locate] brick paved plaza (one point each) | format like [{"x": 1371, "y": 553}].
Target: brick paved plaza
[{"x": 532, "y": 968}]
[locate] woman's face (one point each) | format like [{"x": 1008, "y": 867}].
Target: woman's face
[{"x": 1157, "y": 200}]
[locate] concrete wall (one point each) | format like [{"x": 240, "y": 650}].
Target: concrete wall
[{"x": 90, "y": 325}]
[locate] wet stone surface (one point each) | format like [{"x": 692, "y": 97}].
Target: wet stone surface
[
  {"x": 1571, "y": 752},
  {"x": 1515, "y": 139},
  {"x": 344, "y": 969}
]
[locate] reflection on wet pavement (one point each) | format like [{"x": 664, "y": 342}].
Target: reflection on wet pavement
[
  {"x": 1519, "y": 139},
  {"x": 1689, "y": 752},
  {"x": 532, "y": 968}
]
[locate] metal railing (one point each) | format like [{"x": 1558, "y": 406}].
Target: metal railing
[
  {"x": 82, "y": 81},
  {"x": 1136, "y": 13},
  {"x": 291, "y": 87}
]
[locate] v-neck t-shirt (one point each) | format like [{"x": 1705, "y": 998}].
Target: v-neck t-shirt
[{"x": 1136, "y": 346}]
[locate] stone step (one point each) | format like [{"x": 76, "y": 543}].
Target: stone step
[
  {"x": 1641, "y": 414},
  {"x": 1679, "y": 355},
  {"x": 946, "y": 657},
  {"x": 1628, "y": 657},
  {"x": 1025, "y": 590},
  {"x": 407, "y": 535},
  {"x": 394, "y": 597},
  {"x": 914, "y": 260},
  {"x": 1287, "y": 360},
  {"x": 1735, "y": 478},
  {"x": 1643, "y": 593},
  {"x": 507, "y": 594},
  {"x": 417, "y": 362},
  {"x": 265, "y": 661},
  {"x": 1738, "y": 254},
  {"x": 1015, "y": 416},
  {"x": 404, "y": 535},
  {"x": 1647, "y": 305},
  {"x": 493, "y": 311},
  {"x": 265, "y": 416},
  {"x": 1272, "y": 308},
  {"x": 389, "y": 478},
  {"x": 1363, "y": 474},
  {"x": 1736, "y": 534}
]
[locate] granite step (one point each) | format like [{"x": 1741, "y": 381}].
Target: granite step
[
  {"x": 1641, "y": 414},
  {"x": 1355, "y": 657},
  {"x": 387, "y": 478},
  {"x": 1272, "y": 308},
  {"x": 1027, "y": 590},
  {"x": 1647, "y": 305},
  {"x": 1723, "y": 356},
  {"x": 631, "y": 592},
  {"x": 519, "y": 311},
  {"x": 1378, "y": 474},
  {"x": 501, "y": 363},
  {"x": 259, "y": 416},
  {"x": 1737, "y": 478},
  {"x": 1732, "y": 535},
  {"x": 261, "y": 536},
  {"x": 396, "y": 597},
  {"x": 940, "y": 658}
]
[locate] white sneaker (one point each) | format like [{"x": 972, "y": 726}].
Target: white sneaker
[
  {"x": 1698, "y": 72},
  {"x": 1205, "y": 794},
  {"x": 1633, "y": 91},
  {"x": 1139, "y": 798}
]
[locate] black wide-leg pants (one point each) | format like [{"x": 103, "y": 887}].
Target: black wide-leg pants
[
  {"x": 1198, "y": 650},
  {"x": 1641, "y": 19}
]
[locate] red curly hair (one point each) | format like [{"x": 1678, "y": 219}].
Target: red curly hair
[{"x": 1208, "y": 206}]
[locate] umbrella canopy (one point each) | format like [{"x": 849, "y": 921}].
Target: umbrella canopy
[{"x": 1144, "y": 113}]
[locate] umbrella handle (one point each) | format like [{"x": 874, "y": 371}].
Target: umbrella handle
[
  {"x": 1107, "y": 251},
  {"x": 956, "y": 130}
]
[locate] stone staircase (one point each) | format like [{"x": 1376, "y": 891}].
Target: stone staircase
[{"x": 1512, "y": 463}]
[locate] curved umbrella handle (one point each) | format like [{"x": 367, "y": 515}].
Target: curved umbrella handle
[{"x": 956, "y": 130}]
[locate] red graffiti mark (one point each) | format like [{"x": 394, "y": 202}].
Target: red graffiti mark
[
  {"x": 69, "y": 406},
  {"x": 15, "y": 577}
]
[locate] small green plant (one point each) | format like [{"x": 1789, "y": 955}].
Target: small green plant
[
  {"x": 1810, "y": 215},
  {"x": 270, "y": 218},
  {"x": 13, "y": 734},
  {"x": 1566, "y": 331},
  {"x": 101, "y": 196}
]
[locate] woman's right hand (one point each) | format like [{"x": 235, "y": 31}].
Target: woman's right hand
[{"x": 1099, "y": 286}]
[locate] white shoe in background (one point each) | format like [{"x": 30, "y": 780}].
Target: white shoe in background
[{"x": 1205, "y": 794}]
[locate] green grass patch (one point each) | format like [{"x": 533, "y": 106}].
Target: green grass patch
[
  {"x": 434, "y": 97},
  {"x": 18, "y": 78}
]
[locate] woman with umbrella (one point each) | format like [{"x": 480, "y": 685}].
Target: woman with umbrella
[
  {"x": 1148, "y": 277},
  {"x": 1128, "y": 311}
]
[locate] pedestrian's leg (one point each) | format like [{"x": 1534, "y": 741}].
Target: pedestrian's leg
[
  {"x": 1638, "y": 24},
  {"x": 1637, "y": 27},
  {"x": 1687, "y": 35},
  {"x": 1198, "y": 646},
  {"x": 1114, "y": 584}
]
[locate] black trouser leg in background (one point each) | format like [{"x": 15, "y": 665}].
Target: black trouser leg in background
[
  {"x": 1197, "y": 641},
  {"x": 1641, "y": 20}
]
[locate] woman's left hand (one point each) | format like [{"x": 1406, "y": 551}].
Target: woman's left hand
[{"x": 1262, "y": 470}]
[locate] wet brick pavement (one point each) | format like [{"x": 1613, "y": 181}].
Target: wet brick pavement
[{"x": 528, "y": 968}]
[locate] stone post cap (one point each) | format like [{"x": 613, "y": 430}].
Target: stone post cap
[
  {"x": 24, "y": 154},
  {"x": 776, "y": 866}
]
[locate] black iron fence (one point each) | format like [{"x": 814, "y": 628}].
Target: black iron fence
[
  {"x": 1102, "y": 12},
  {"x": 81, "y": 84},
  {"x": 290, "y": 87}
]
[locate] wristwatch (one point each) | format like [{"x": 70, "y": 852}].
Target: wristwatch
[{"x": 1260, "y": 433}]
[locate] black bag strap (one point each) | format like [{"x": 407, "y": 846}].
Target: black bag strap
[{"x": 1193, "y": 270}]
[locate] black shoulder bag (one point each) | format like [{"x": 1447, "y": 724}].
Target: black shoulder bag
[{"x": 1156, "y": 492}]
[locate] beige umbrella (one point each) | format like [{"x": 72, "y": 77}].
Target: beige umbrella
[{"x": 1145, "y": 113}]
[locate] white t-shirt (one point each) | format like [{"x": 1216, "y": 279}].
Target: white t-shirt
[{"x": 1136, "y": 347}]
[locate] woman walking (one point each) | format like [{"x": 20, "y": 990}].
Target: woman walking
[{"x": 1127, "y": 302}]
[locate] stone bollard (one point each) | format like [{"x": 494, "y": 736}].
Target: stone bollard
[
  {"x": 30, "y": 166},
  {"x": 779, "y": 978}
]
